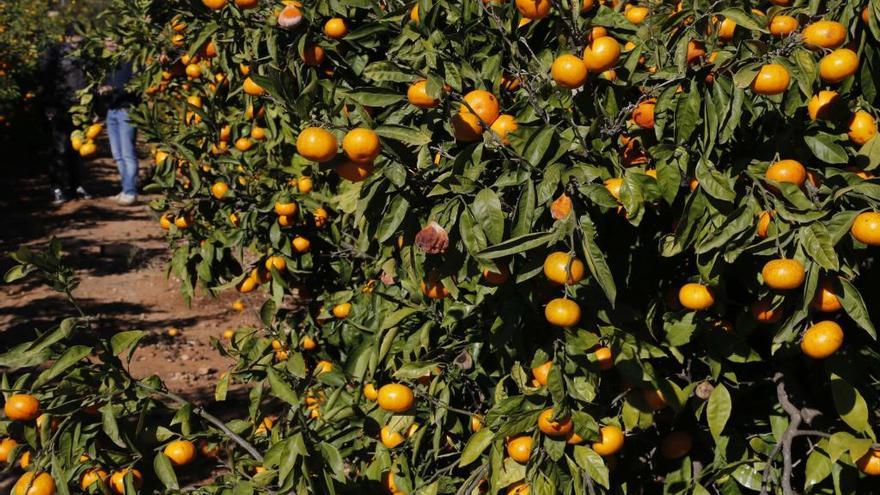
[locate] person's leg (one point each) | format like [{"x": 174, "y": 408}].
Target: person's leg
[
  {"x": 113, "y": 132},
  {"x": 58, "y": 175},
  {"x": 127, "y": 134}
]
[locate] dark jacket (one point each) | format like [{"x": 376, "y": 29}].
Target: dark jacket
[
  {"x": 118, "y": 79},
  {"x": 61, "y": 76}
]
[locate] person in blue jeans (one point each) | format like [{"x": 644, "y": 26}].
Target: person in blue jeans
[{"x": 120, "y": 130}]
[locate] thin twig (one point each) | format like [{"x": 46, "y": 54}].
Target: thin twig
[{"x": 208, "y": 417}]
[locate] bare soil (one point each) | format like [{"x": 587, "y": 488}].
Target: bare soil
[{"x": 120, "y": 256}]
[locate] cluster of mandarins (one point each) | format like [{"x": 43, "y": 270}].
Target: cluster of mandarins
[
  {"x": 25, "y": 410},
  {"x": 83, "y": 142},
  {"x": 478, "y": 116}
]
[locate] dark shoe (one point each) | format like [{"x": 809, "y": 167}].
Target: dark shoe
[
  {"x": 58, "y": 197},
  {"x": 82, "y": 193}
]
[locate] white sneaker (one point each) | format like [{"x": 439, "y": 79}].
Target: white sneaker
[{"x": 126, "y": 199}]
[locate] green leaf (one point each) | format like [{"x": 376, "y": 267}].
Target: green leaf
[
  {"x": 818, "y": 468},
  {"x": 333, "y": 459},
  {"x": 125, "y": 341},
  {"x": 71, "y": 356},
  {"x": 817, "y": 244},
  {"x": 477, "y": 443},
  {"x": 375, "y": 97},
  {"x": 718, "y": 410},
  {"x": 850, "y": 404},
  {"x": 392, "y": 218},
  {"x": 826, "y": 149},
  {"x": 165, "y": 471},
  {"x": 743, "y": 19},
  {"x": 592, "y": 463},
  {"x": 518, "y": 244},
  {"x": 595, "y": 259},
  {"x": 280, "y": 388},
  {"x": 111, "y": 427},
  {"x": 487, "y": 210},
  {"x": 406, "y": 135},
  {"x": 854, "y": 305},
  {"x": 714, "y": 182}
]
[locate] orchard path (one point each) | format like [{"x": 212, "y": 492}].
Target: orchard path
[{"x": 120, "y": 256}]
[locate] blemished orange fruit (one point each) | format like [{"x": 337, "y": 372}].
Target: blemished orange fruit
[
  {"x": 727, "y": 30},
  {"x": 838, "y": 65},
  {"x": 243, "y": 144},
  {"x": 563, "y": 268},
  {"x": 180, "y": 452},
  {"x": 370, "y": 392},
  {"x": 252, "y": 88},
  {"x": 763, "y": 312},
  {"x": 285, "y": 208},
  {"x": 341, "y": 311},
  {"x": 533, "y": 9},
  {"x": 613, "y": 186},
  {"x": 696, "y": 297},
  {"x": 520, "y": 448},
  {"x": 783, "y": 25},
  {"x": 417, "y": 95},
  {"x": 569, "y": 71},
  {"x": 541, "y": 373},
  {"x": 862, "y": 127},
  {"x": 94, "y": 131},
  {"x": 643, "y": 115},
  {"x": 193, "y": 71},
  {"x": 276, "y": 262},
  {"x": 866, "y": 228},
  {"x": 34, "y": 483},
  {"x": 610, "y": 440},
  {"x": 6, "y": 446},
  {"x": 91, "y": 477},
  {"x": 771, "y": 79},
  {"x": 214, "y": 4},
  {"x": 822, "y": 339},
  {"x": 25, "y": 459},
  {"x": 258, "y": 133},
  {"x": 396, "y": 397},
  {"x": 353, "y": 171},
  {"x": 654, "y": 398},
  {"x": 483, "y": 104},
  {"x": 764, "y": 223},
  {"x": 560, "y": 428},
  {"x": 361, "y": 145},
  {"x": 289, "y": 17},
  {"x": 466, "y": 127},
  {"x": 790, "y": 171},
  {"x": 117, "y": 480},
  {"x": 497, "y": 276},
  {"x": 323, "y": 366},
  {"x": 601, "y": 54},
  {"x": 317, "y": 144},
  {"x": 504, "y": 125},
  {"x": 696, "y": 50},
  {"x": 390, "y": 438},
  {"x": 826, "y": 300},
  {"x": 313, "y": 54},
  {"x": 870, "y": 463},
  {"x": 823, "y": 105},
  {"x": 561, "y": 207},
  {"x": 301, "y": 244},
  {"x": 604, "y": 357},
  {"x": 562, "y": 312},
  {"x": 636, "y": 15},
  {"x": 676, "y": 445},
  {"x": 824, "y": 34},
  {"x": 304, "y": 184},
  {"x": 335, "y": 28},
  {"x": 22, "y": 407},
  {"x": 783, "y": 274}
]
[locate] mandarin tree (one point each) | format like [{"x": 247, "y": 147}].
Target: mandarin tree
[{"x": 657, "y": 278}]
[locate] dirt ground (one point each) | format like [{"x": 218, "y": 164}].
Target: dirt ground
[{"x": 120, "y": 257}]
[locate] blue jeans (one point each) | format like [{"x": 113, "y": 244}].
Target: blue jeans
[{"x": 122, "y": 137}]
